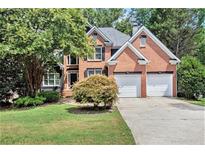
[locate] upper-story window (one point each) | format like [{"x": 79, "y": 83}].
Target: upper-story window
[
  {"x": 72, "y": 60},
  {"x": 143, "y": 40},
  {"x": 97, "y": 55},
  {"x": 51, "y": 79}
]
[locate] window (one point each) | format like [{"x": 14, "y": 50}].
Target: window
[
  {"x": 51, "y": 79},
  {"x": 97, "y": 55},
  {"x": 93, "y": 71},
  {"x": 95, "y": 35},
  {"x": 143, "y": 40},
  {"x": 72, "y": 60},
  {"x": 113, "y": 51}
]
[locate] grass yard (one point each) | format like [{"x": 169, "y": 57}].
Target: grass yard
[
  {"x": 200, "y": 102},
  {"x": 63, "y": 124}
]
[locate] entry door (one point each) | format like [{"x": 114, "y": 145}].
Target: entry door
[
  {"x": 128, "y": 84},
  {"x": 73, "y": 78},
  {"x": 159, "y": 84}
]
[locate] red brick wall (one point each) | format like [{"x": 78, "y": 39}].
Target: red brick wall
[
  {"x": 159, "y": 60},
  {"x": 83, "y": 65},
  {"x": 128, "y": 62}
]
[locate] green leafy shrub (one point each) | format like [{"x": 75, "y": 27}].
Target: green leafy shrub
[
  {"x": 51, "y": 96},
  {"x": 191, "y": 78},
  {"x": 96, "y": 89},
  {"x": 29, "y": 101}
]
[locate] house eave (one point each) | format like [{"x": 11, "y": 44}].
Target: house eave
[
  {"x": 112, "y": 62},
  {"x": 174, "y": 62}
]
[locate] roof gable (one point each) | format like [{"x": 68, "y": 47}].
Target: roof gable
[
  {"x": 155, "y": 39},
  {"x": 133, "y": 49},
  {"x": 98, "y": 32}
]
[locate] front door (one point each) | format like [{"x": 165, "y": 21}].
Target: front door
[{"x": 73, "y": 78}]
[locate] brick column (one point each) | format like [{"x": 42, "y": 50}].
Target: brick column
[
  {"x": 174, "y": 83},
  {"x": 144, "y": 82}
]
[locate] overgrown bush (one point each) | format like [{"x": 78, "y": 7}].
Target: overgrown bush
[
  {"x": 191, "y": 78},
  {"x": 51, "y": 96},
  {"x": 29, "y": 101},
  {"x": 96, "y": 89}
]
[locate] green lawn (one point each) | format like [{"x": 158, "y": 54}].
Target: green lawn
[
  {"x": 200, "y": 102},
  {"x": 63, "y": 124}
]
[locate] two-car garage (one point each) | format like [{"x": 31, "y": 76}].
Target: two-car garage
[{"x": 157, "y": 84}]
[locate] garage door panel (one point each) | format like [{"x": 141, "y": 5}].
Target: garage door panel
[
  {"x": 128, "y": 84},
  {"x": 159, "y": 85}
]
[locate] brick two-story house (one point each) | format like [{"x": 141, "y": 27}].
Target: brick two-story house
[{"x": 141, "y": 64}]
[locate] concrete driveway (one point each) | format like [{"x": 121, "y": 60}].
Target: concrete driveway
[{"x": 161, "y": 120}]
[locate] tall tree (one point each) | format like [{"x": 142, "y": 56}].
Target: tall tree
[
  {"x": 124, "y": 26},
  {"x": 177, "y": 28},
  {"x": 39, "y": 35},
  {"x": 103, "y": 17}
]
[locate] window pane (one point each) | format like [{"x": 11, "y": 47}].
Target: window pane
[
  {"x": 51, "y": 76},
  {"x": 98, "y": 53},
  {"x": 45, "y": 82},
  {"x": 57, "y": 76},
  {"x": 98, "y": 50},
  {"x": 98, "y": 71},
  {"x": 90, "y": 72},
  {"x": 57, "y": 82},
  {"x": 73, "y": 60},
  {"x": 45, "y": 76},
  {"x": 98, "y": 56},
  {"x": 51, "y": 82}
]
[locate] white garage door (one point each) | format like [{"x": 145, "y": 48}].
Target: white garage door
[
  {"x": 159, "y": 84},
  {"x": 129, "y": 84}
]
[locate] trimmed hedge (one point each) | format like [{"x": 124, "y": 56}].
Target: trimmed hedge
[
  {"x": 51, "y": 96},
  {"x": 29, "y": 101},
  {"x": 96, "y": 89}
]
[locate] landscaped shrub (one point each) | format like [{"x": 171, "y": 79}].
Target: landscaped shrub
[
  {"x": 191, "y": 78},
  {"x": 51, "y": 96},
  {"x": 29, "y": 101},
  {"x": 96, "y": 89}
]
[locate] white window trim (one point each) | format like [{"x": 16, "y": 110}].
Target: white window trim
[
  {"x": 94, "y": 69},
  {"x": 55, "y": 85},
  {"x": 94, "y": 55},
  {"x": 69, "y": 62}
]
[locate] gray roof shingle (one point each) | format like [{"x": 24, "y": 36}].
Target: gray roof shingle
[{"x": 118, "y": 38}]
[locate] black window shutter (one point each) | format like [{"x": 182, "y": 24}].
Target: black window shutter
[
  {"x": 103, "y": 53},
  {"x": 85, "y": 73}
]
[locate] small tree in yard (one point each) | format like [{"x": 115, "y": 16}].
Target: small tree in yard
[
  {"x": 191, "y": 78},
  {"x": 96, "y": 89}
]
